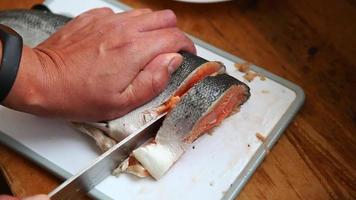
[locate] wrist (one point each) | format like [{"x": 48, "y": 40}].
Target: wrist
[{"x": 27, "y": 93}]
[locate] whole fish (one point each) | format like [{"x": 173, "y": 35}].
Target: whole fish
[{"x": 202, "y": 108}]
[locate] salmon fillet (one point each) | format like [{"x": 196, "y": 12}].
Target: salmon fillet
[{"x": 203, "y": 107}]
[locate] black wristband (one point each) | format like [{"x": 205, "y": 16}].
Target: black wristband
[{"x": 10, "y": 62}]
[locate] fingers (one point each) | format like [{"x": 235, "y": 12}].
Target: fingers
[
  {"x": 112, "y": 17},
  {"x": 82, "y": 21},
  {"x": 150, "y": 82},
  {"x": 37, "y": 197},
  {"x": 168, "y": 40},
  {"x": 102, "y": 17},
  {"x": 98, "y": 11},
  {"x": 124, "y": 20},
  {"x": 6, "y": 197},
  {"x": 143, "y": 47},
  {"x": 134, "y": 13},
  {"x": 150, "y": 45},
  {"x": 90, "y": 15},
  {"x": 156, "y": 20}
]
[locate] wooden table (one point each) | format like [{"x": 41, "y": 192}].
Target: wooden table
[{"x": 310, "y": 42}]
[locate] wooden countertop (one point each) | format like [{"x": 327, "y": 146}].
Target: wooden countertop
[{"x": 312, "y": 43}]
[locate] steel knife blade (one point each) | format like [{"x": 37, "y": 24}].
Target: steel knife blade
[{"x": 103, "y": 166}]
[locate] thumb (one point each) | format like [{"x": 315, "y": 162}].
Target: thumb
[{"x": 151, "y": 80}]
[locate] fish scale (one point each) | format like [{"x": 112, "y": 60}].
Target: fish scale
[{"x": 33, "y": 25}]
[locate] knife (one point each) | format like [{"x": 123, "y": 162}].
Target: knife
[{"x": 103, "y": 166}]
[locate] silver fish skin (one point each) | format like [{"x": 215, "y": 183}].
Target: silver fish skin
[
  {"x": 200, "y": 100},
  {"x": 34, "y": 26},
  {"x": 195, "y": 104},
  {"x": 126, "y": 125}
]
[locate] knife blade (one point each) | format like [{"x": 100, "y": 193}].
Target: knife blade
[{"x": 103, "y": 166}]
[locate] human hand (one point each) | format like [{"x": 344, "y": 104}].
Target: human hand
[
  {"x": 36, "y": 197},
  {"x": 100, "y": 65}
]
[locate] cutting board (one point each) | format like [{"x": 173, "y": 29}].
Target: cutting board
[{"x": 215, "y": 167}]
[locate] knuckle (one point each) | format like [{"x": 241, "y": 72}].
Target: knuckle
[
  {"x": 170, "y": 14},
  {"x": 129, "y": 97},
  {"x": 185, "y": 41},
  {"x": 159, "y": 82},
  {"x": 178, "y": 34},
  {"x": 135, "y": 12},
  {"x": 157, "y": 87},
  {"x": 142, "y": 10},
  {"x": 98, "y": 11},
  {"x": 112, "y": 98},
  {"x": 120, "y": 25},
  {"x": 146, "y": 9},
  {"x": 132, "y": 46},
  {"x": 106, "y": 10},
  {"x": 85, "y": 17}
]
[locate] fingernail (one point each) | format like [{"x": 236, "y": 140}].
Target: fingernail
[{"x": 174, "y": 63}]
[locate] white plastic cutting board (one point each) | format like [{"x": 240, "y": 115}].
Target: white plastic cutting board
[{"x": 205, "y": 172}]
